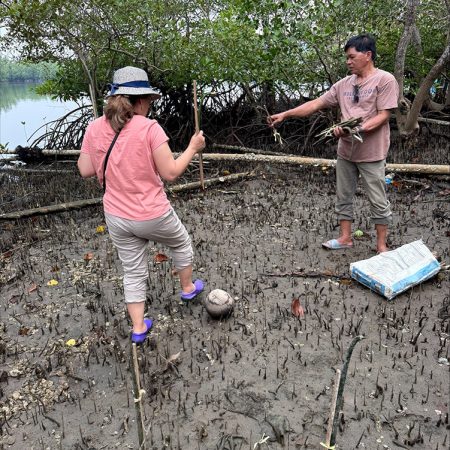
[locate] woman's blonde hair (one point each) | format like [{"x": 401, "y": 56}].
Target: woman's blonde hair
[{"x": 119, "y": 110}]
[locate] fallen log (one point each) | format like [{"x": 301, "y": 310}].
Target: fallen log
[
  {"x": 320, "y": 162},
  {"x": 434, "y": 169},
  {"x": 444, "y": 123},
  {"x": 70, "y": 152},
  {"x": 23, "y": 170},
  {"x": 239, "y": 149},
  {"x": 62, "y": 207}
]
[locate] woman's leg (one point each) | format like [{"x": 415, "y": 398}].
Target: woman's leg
[
  {"x": 170, "y": 231},
  {"x": 133, "y": 253}
]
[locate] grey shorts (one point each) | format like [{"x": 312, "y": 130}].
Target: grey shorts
[
  {"x": 373, "y": 180},
  {"x": 131, "y": 238}
]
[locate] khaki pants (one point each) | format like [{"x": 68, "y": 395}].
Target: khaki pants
[
  {"x": 373, "y": 180},
  {"x": 131, "y": 238}
]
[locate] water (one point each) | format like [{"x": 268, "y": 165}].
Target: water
[{"x": 22, "y": 112}]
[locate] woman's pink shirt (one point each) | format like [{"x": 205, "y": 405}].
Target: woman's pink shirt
[{"x": 134, "y": 189}]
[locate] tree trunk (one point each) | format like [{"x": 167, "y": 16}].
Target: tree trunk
[
  {"x": 407, "y": 114},
  {"x": 403, "y": 111},
  {"x": 424, "y": 89}
]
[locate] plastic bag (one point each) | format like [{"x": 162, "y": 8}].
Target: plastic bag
[{"x": 393, "y": 272}]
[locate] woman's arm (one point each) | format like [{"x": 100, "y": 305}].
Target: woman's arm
[
  {"x": 168, "y": 167},
  {"x": 85, "y": 165}
]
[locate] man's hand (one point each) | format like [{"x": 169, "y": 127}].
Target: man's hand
[
  {"x": 339, "y": 132},
  {"x": 275, "y": 119}
]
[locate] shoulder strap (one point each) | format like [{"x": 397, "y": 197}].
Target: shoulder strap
[{"x": 106, "y": 159}]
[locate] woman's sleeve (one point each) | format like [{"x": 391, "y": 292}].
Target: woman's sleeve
[{"x": 156, "y": 136}]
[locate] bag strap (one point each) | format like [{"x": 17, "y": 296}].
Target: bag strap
[{"x": 107, "y": 157}]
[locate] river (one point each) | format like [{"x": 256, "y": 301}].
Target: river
[{"x": 22, "y": 112}]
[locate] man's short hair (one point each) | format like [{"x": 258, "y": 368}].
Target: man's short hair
[{"x": 362, "y": 43}]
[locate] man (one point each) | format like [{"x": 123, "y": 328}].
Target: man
[{"x": 369, "y": 93}]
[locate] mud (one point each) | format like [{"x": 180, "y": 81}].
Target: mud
[{"x": 262, "y": 379}]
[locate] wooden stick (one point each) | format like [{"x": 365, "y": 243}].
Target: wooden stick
[
  {"x": 61, "y": 207},
  {"x": 138, "y": 393},
  {"x": 337, "y": 379},
  {"x": 197, "y": 130}
]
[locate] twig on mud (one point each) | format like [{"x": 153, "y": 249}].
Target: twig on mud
[
  {"x": 340, "y": 394},
  {"x": 52, "y": 420},
  {"x": 313, "y": 274}
]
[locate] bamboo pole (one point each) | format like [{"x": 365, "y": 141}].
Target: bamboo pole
[
  {"x": 61, "y": 207},
  {"x": 23, "y": 170},
  {"x": 197, "y": 130},
  {"x": 432, "y": 169},
  {"x": 46, "y": 152},
  {"x": 321, "y": 162}
]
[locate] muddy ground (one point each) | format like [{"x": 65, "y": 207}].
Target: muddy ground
[{"x": 261, "y": 376}]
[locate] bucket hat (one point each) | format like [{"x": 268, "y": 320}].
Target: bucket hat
[{"x": 132, "y": 81}]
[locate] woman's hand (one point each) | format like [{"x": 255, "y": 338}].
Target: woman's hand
[
  {"x": 197, "y": 143},
  {"x": 168, "y": 167}
]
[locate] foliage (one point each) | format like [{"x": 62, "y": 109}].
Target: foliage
[
  {"x": 248, "y": 51},
  {"x": 12, "y": 71},
  {"x": 291, "y": 42}
]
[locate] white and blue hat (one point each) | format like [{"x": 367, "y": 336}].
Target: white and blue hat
[{"x": 132, "y": 81}]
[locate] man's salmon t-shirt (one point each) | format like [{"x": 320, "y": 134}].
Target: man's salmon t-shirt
[
  {"x": 379, "y": 92},
  {"x": 134, "y": 189}
]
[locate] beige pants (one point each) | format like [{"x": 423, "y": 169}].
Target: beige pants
[
  {"x": 131, "y": 238},
  {"x": 373, "y": 180}
]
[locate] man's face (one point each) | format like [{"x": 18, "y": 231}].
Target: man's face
[{"x": 357, "y": 61}]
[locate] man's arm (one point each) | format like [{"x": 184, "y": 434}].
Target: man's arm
[{"x": 304, "y": 110}]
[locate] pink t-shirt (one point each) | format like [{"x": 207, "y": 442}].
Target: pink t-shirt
[
  {"x": 379, "y": 92},
  {"x": 134, "y": 189}
]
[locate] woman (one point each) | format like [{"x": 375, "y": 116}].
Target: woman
[{"x": 136, "y": 207}]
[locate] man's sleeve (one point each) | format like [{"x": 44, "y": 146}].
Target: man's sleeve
[
  {"x": 330, "y": 98},
  {"x": 388, "y": 93}
]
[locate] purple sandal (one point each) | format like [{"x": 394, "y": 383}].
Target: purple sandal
[
  {"x": 199, "y": 286},
  {"x": 139, "y": 338}
]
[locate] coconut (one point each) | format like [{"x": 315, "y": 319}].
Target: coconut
[{"x": 219, "y": 304}]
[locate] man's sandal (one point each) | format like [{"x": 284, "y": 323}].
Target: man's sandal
[{"x": 334, "y": 244}]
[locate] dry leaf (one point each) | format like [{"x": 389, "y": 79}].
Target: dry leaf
[
  {"x": 160, "y": 257},
  {"x": 100, "y": 229},
  {"x": 7, "y": 254},
  {"x": 32, "y": 288},
  {"x": 52, "y": 283},
  {"x": 88, "y": 256},
  {"x": 24, "y": 331},
  {"x": 173, "y": 358},
  {"x": 296, "y": 308}
]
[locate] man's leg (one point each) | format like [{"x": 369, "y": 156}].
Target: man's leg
[
  {"x": 381, "y": 238},
  {"x": 373, "y": 178},
  {"x": 346, "y": 183}
]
